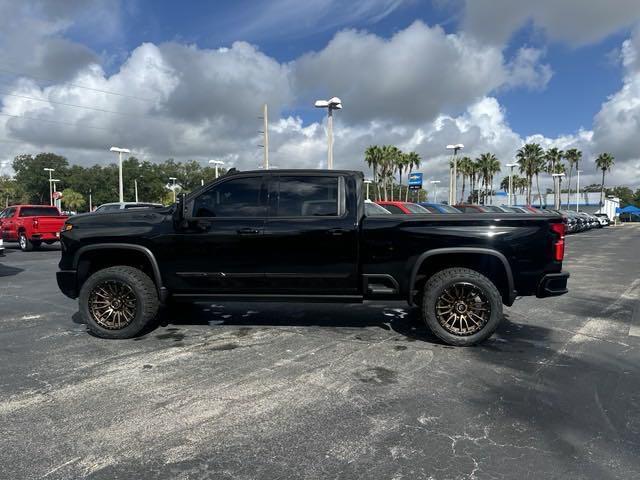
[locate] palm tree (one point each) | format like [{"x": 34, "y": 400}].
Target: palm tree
[
  {"x": 402, "y": 164},
  {"x": 604, "y": 162},
  {"x": 413, "y": 161},
  {"x": 373, "y": 156},
  {"x": 488, "y": 166},
  {"x": 474, "y": 170},
  {"x": 553, "y": 158},
  {"x": 573, "y": 157},
  {"x": 72, "y": 200},
  {"x": 529, "y": 159},
  {"x": 465, "y": 166}
]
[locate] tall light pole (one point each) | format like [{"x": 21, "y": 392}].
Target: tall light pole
[
  {"x": 120, "y": 151},
  {"x": 332, "y": 104},
  {"x": 578, "y": 192},
  {"x": 435, "y": 184},
  {"x": 135, "y": 188},
  {"x": 216, "y": 164},
  {"x": 511, "y": 167},
  {"x": 367, "y": 183},
  {"x": 173, "y": 180},
  {"x": 52, "y": 182},
  {"x": 90, "y": 202},
  {"x": 50, "y": 170},
  {"x": 454, "y": 174},
  {"x": 556, "y": 178}
]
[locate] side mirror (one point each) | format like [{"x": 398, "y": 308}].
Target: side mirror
[{"x": 180, "y": 215}]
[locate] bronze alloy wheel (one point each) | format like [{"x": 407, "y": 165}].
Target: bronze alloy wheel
[
  {"x": 462, "y": 309},
  {"x": 112, "y": 304}
]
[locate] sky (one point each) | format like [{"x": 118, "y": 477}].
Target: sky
[{"x": 187, "y": 80}]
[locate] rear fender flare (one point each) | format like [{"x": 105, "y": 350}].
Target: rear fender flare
[{"x": 449, "y": 251}]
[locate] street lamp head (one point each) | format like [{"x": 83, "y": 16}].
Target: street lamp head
[
  {"x": 435, "y": 181},
  {"x": 49, "y": 169},
  {"x": 55, "y": 180},
  {"x": 216, "y": 162},
  {"x": 457, "y": 146},
  {"x": 557, "y": 174},
  {"x": 119, "y": 150},
  {"x": 367, "y": 181},
  {"x": 333, "y": 103},
  {"x": 511, "y": 165}
]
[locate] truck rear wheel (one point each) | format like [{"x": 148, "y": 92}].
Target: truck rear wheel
[
  {"x": 24, "y": 242},
  {"x": 462, "y": 307},
  {"x": 118, "y": 302}
]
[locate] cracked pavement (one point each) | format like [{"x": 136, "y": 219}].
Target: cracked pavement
[{"x": 234, "y": 391}]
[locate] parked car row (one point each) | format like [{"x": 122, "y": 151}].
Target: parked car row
[{"x": 575, "y": 221}]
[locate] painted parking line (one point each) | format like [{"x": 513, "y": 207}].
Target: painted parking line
[{"x": 634, "y": 330}]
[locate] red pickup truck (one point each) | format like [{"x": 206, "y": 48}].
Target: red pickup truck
[{"x": 30, "y": 225}]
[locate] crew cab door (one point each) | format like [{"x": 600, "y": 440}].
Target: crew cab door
[
  {"x": 221, "y": 250},
  {"x": 311, "y": 236},
  {"x": 8, "y": 225}
]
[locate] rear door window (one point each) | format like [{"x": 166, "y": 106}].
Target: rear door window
[{"x": 308, "y": 196}]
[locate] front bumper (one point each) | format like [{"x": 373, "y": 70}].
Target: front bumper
[
  {"x": 552, "y": 285},
  {"x": 67, "y": 282}
]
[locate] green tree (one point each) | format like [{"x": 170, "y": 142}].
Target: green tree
[
  {"x": 465, "y": 167},
  {"x": 373, "y": 156},
  {"x": 553, "y": 157},
  {"x": 604, "y": 162},
  {"x": 488, "y": 166},
  {"x": 72, "y": 200},
  {"x": 33, "y": 179}
]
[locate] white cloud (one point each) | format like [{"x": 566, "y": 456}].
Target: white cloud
[
  {"x": 526, "y": 70},
  {"x": 413, "y": 76}
]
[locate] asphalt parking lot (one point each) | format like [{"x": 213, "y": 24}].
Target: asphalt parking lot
[{"x": 322, "y": 391}]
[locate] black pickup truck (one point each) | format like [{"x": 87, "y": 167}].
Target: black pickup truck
[{"x": 303, "y": 236}]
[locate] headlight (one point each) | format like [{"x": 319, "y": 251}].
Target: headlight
[{"x": 67, "y": 227}]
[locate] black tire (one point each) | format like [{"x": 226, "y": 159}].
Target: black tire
[
  {"x": 36, "y": 244},
  {"x": 24, "y": 242},
  {"x": 137, "y": 284},
  {"x": 437, "y": 290}
]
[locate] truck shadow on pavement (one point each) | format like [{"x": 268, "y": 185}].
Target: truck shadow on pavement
[{"x": 7, "y": 271}]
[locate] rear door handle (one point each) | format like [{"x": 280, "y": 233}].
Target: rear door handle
[
  {"x": 337, "y": 231},
  {"x": 248, "y": 231}
]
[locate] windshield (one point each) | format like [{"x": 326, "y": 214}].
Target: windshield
[
  {"x": 413, "y": 208},
  {"x": 39, "y": 212}
]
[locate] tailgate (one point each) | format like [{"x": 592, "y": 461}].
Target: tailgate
[{"x": 48, "y": 224}]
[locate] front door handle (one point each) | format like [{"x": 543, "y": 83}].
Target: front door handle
[
  {"x": 337, "y": 231},
  {"x": 248, "y": 231}
]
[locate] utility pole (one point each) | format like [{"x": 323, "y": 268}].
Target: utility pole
[{"x": 265, "y": 133}]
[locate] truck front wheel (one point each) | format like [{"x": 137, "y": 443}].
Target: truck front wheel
[
  {"x": 461, "y": 306},
  {"x": 118, "y": 302}
]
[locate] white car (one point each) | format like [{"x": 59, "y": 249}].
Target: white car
[{"x": 112, "y": 207}]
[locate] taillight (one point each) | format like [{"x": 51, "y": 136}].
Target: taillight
[{"x": 558, "y": 244}]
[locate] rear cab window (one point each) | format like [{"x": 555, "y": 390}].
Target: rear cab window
[{"x": 39, "y": 212}]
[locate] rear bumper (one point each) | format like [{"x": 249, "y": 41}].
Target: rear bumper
[
  {"x": 46, "y": 236},
  {"x": 67, "y": 283},
  {"x": 552, "y": 285}
]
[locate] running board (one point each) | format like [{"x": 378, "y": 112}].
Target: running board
[{"x": 239, "y": 297}]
